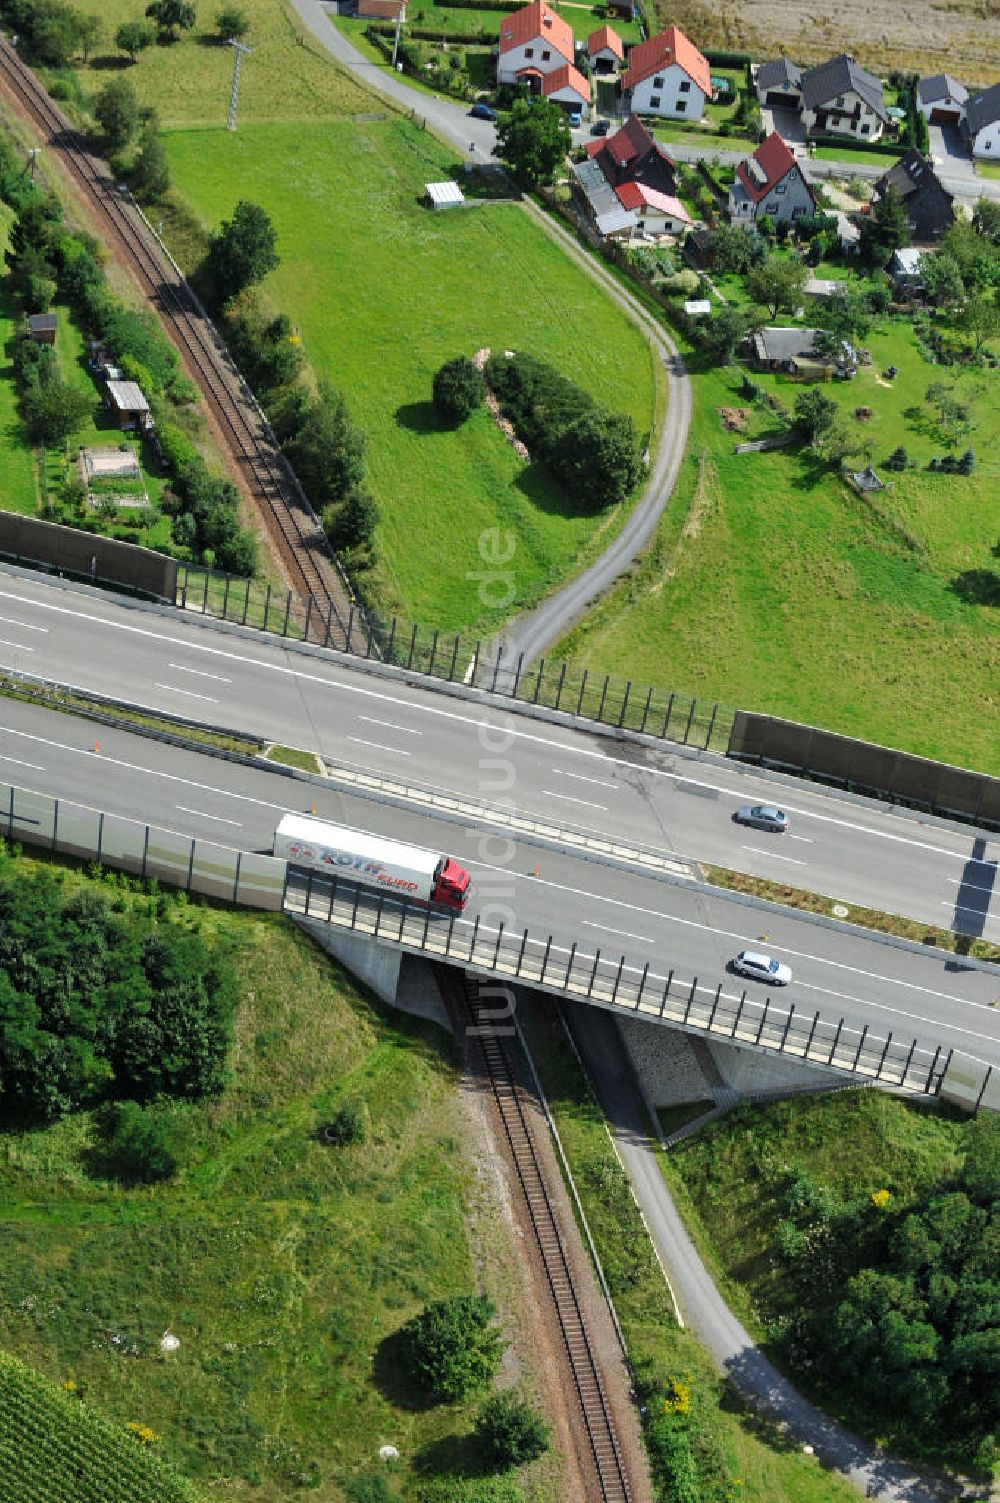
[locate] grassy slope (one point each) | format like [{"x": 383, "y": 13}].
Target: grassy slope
[
  {"x": 18, "y": 486},
  {"x": 792, "y": 594},
  {"x": 281, "y": 1264},
  {"x": 384, "y": 292}
]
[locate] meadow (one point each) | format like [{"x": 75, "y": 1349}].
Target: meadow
[
  {"x": 279, "y": 1263},
  {"x": 774, "y": 585},
  {"x": 383, "y": 292}
]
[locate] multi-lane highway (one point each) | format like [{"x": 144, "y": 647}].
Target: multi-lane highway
[
  {"x": 885, "y": 857},
  {"x": 668, "y": 925}
]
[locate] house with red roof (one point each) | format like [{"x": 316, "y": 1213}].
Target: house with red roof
[
  {"x": 771, "y": 182},
  {"x": 534, "y": 41},
  {"x": 632, "y": 155},
  {"x": 606, "y": 52},
  {"x": 568, "y": 87},
  {"x": 668, "y": 76},
  {"x": 382, "y": 10},
  {"x": 656, "y": 213}
]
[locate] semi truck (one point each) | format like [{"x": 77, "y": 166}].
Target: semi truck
[{"x": 420, "y": 876}]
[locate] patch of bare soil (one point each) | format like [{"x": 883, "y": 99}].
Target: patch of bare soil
[{"x": 960, "y": 37}]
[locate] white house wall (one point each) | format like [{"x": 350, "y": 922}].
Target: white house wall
[
  {"x": 538, "y": 54},
  {"x": 670, "y": 95},
  {"x": 987, "y": 142},
  {"x": 840, "y": 119}
]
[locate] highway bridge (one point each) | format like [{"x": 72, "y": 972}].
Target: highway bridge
[{"x": 645, "y": 929}]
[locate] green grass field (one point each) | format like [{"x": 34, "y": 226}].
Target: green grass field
[
  {"x": 869, "y": 156},
  {"x": 188, "y": 83},
  {"x": 281, "y": 1264},
  {"x": 18, "y": 478},
  {"x": 427, "y": 15},
  {"x": 384, "y": 292},
  {"x": 775, "y": 586}
]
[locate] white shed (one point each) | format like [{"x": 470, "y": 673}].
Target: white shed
[{"x": 444, "y": 195}]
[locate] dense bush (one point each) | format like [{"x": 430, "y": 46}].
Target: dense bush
[
  {"x": 510, "y": 1432},
  {"x": 459, "y": 388},
  {"x": 96, "y": 1006},
  {"x": 453, "y": 1347},
  {"x": 346, "y": 1127},
  {"x": 139, "y": 1142}
]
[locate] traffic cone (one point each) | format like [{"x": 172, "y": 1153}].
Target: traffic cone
[
  {"x": 536, "y": 871},
  {"x": 97, "y": 746},
  {"x": 312, "y": 808}
]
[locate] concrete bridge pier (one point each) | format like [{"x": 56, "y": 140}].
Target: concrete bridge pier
[{"x": 404, "y": 981}]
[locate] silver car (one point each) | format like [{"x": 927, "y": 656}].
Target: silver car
[
  {"x": 761, "y": 967},
  {"x": 762, "y": 817}
]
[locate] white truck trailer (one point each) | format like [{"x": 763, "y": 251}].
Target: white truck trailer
[{"x": 420, "y": 876}]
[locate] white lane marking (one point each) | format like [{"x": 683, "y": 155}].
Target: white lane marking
[
  {"x": 188, "y": 693},
  {"x": 199, "y": 673},
  {"x": 983, "y": 913},
  {"x": 623, "y": 933},
  {"x": 588, "y": 803},
  {"x": 18, "y": 645},
  {"x": 806, "y": 839},
  {"x": 776, "y": 855},
  {"x": 972, "y": 886},
  {"x": 12, "y": 621},
  {"x": 391, "y": 725},
  {"x": 202, "y": 815},
  {"x": 581, "y": 778},
  {"x": 476, "y": 725},
  {"x": 18, "y": 763},
  {"x": 380, "y": 747}
]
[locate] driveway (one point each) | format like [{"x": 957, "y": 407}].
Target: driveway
[
  {"x": 949, "y": 152},
  {"x": 788, "y": 124}
]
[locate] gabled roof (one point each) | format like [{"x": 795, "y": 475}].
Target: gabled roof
[
  {"x": 628, "y": 144},
  {"x": 608, "y": 38},
  {"x": 780, "y": 71},
  {"x": 534, "y": 22},
  {"x": 773, "y": 160},
  {"x": 785, "y": 344},
  {"x": 984, "y": 109},
  {"x": 670, "y": 46},
  {"x": 566, "y": 77},
  {"x": 638, "y": 196},
  {"x": 839, "y": 76},
  {"x": 127, "y": 396},
  {"x": 40, "y": 323},
  {"x": 912, "y": 174},
  {"x": 941, "y": 86}
]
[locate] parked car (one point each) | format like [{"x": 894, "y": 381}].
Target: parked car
[
  {"x": 600, "y": 127},
  {"x": 761, "y": 967},
  {"x": 482, "y": 111},
  {"x": 762, "y": 817},
  {"x": 575, "y": 118}
]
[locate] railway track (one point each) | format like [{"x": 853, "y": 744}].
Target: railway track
[
  {"x": 290, "y": 520},
  {"x": 602, "y": 1442}
]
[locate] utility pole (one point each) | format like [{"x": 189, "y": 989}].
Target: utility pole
[
  {"x": 33, "y": 154},
  {"x": 395, "y": 44},
  {"x": 239, "y": 48}
]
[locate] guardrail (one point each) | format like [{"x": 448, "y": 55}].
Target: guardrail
[{"x": 613, "y": 982}]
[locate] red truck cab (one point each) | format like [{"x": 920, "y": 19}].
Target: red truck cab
[{"x": 452, "y": 884}]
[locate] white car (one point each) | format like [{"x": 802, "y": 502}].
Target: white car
[{"x": 761, "y": 967}]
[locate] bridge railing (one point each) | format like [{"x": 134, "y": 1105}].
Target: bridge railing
[
  {"x": 610, "y": 979},
  {"x": 456, "y": 658}
]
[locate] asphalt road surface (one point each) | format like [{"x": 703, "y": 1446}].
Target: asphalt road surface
[
  {"x": 642, "y": 919},
  {"x": 675, "y": 802}
]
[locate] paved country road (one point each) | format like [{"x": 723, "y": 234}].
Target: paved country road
[{"x": 532, "y": 635}]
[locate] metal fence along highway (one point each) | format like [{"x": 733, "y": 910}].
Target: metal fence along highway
[
  {"x": 456, "y": 659},
  {"x": 609, "y": 980}
]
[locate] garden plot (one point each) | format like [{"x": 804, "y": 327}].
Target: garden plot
[{"x": 112, "y": 477}]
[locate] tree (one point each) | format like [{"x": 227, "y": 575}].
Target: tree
[
  {"x": 328, "y": 451},
  {"x": 980, "y": 318},
  {"x": 453, "y": 1347},
  {"x": 986, "y": 219},
  {"x": 346, "y": 1127},
  {"x": 533, "y": 139},
  {"x": 845, "y": 315},
  {"x": 942, "y": 279},
  {"x": 116, "y": 110},
  {"x": 89, "y": 34},
  {"x": 171, "y": 16},
  {"x": 596, "y": 458},
  {"x": 351, "y": 524},
  {"x": 54, "y": 410},
  {"x": 134, "y": 37},
  {"x": 459, "y": 388},
  {"x": 150, "y": 172},
  {"x": 734, "y": 248},
  {"x": 232, "y": 24},
  {"x": 510, "y": 1432},
  {"x": 885, "y": 229},
  {"x": 140, "y": 1142},
  {"x": 242, "y": 251},
  {"x": 724, "y": 332},
  {"x": 815, "y": 413},
  {"x": 777, "y": 284},
  {"x": 55, "y": 36}
]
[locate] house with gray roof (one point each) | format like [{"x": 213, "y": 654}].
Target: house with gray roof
[
  {"x": 981, "y": 123},
  {"x": 929, "y": 205},
  {"x": 841, "y": 98},
  {"x": 779, "y": 84},
  {"x": 940, "y": 99},
  {"x": 789, "y": 350}
]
